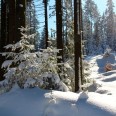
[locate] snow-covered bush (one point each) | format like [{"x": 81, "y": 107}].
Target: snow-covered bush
[
  {"x": 92, "y": 86},
  {"x": 86, "y": 81},
  {"x": 86, "y": 70},
  {"x": 68, "y": 74},
  {"x": 53, "y": 71}
]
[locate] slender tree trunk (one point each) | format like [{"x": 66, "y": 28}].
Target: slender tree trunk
[
  {"x": 46, "y": 22},
  {"x": 11, "y": 22},
  {"x": 59, "y": 29},
  {"x": 81, "y": 39},
  {"x": 20, "y": 17},
  {"x": 3, "y": 34},
  {"x": 34, "y": 24},
  {"x": 77, "y": 45},
  {"x": 66, "y": 25},
  {"x": 30, "y": 15}
]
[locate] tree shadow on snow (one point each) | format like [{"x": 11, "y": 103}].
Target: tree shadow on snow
[
  {"x": 109, "y": 79},
  {"x": 86, "y": 108}
]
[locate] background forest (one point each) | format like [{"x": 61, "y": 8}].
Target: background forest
[{"x": 99, "y": 29}]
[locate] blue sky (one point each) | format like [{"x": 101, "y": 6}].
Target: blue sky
[{"x": 102, "y": 5}]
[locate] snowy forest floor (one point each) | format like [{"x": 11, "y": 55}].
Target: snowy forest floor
[{"x": 100, "y": 100}]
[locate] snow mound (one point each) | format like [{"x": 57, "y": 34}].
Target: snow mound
[{"x": 37, "y": 102}]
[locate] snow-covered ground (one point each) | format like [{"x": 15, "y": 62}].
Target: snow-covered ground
[{"x": 99, "y": 101}]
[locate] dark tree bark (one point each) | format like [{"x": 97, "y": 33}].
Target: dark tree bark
[
  {"x": 77, "y": 44},
  {"x": 11, "y": 22},
  {"x": 30, "y": 7},
  {"x": 81, "y": 39},
  {"x": 46, "y": 21},
  {"x": 3, "y": 34},
  {"x": 3, "y": 25},
  {"x": 12, "y": 18},
  {"x": 59, "y": 28},
  {"x": 65, "y": 24},
  {"x": 20, "y": 17}
]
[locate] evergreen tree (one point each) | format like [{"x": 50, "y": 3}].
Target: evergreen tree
[
  {"x": 28, "y": 68},
  {"x": 32, "y": 21},
  {"x": 68, "y": 27},
  {"x": 103, "y": 33},
  {"x": 114, "y": 32},
  {"x": 90, "y": 19},
  {"x": 42, "y": 41},
  {"x": 67, "y": 18},
  {"x": 97, "y": 37},
  {"x": 110, "y": 24}
]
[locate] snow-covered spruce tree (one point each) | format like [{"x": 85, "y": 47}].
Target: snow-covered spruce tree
[
  {"x": 91, "y": 20},
  {"x": 88, "y": 82},
  {"x": 110, "y": 24},
  {"x": 28, "y": 68},
  {"x": 19, "y": 59}
]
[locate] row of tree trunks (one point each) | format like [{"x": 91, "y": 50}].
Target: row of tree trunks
[
  {"x": 12, "y": 18},
  {"x": 15, "y": 18},
  {"x": 77, "y": 39}
]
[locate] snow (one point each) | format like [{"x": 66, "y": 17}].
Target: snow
[
  {"x": 21, "y": 5},
  {"x": 99, "y": 100},
  {"x": 7, "y": 63},
  {"x": 67, "y": 65}
]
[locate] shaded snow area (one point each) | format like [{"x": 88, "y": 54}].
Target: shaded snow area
[{"x": 100, "y": 100}]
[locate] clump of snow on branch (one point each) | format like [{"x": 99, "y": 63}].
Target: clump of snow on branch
[{"x": 52, "y": 81}]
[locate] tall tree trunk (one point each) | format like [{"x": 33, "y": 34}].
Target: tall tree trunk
[
  {"x": 20, "y": 17},
  {"x": 77, "y": 45},
  {"x": 66, "y": 25},
  {"x": 30, "y": 7},
  {"x": 59, "y": 28},
  {"x": 81, "y": 39},
  {"x": 11, "y": 22},
  {"x": 3, "y": 34},
  {"x": 46, "y": 22}
]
